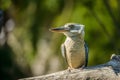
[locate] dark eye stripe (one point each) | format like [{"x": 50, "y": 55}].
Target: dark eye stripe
[{"x": 71, "y": 26}]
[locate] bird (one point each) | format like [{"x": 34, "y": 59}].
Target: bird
[{"x": 74, "y": 49}]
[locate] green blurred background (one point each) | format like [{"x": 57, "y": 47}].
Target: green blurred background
[{"x": 30, "y": 49}]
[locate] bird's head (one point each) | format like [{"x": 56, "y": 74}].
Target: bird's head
[{"x": 70, "y": 29}]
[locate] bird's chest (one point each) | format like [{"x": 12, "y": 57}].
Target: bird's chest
[
  {"x": 75, "y": 52},
  {"x": 74, "y": 46}
]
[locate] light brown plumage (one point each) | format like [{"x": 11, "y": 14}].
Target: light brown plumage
[{"x": 73, "y": 49}]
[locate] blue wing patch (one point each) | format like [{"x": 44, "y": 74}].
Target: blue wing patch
[{"x": 86, "y": 54}]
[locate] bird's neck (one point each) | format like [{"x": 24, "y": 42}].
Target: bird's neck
[{"x": 76, "y": 38}]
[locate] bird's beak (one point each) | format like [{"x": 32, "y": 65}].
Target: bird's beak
[{"x": 59, "y": 29}]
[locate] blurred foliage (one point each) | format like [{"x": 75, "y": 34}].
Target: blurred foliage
[{"x": 31, "y": 49}]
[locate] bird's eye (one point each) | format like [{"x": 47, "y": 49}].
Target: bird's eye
[{"x": 71, "y": 26}]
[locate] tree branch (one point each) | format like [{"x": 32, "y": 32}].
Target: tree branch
[{"x": 107, "y": 71}]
